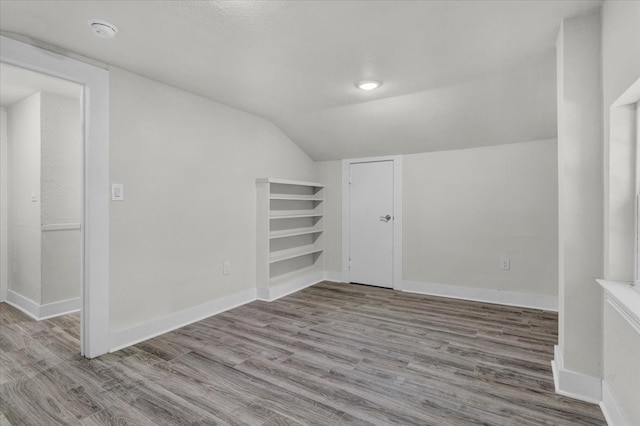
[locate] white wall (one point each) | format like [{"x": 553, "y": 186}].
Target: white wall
[
  {"x": 621, "y": 355},
  {"x": 45, "y": 159},
  {"x": 330, "y": 173},
  {"x": 3, "y": 205},
  {"x": 620, "y": 51},
  {"x": 61, "y": 145},
  {"x": 23, "y": 124},
  {"x": 580, "y": 194},
  {"x": 464, "y": 209},
  {"x": 620, "y": 68},
  {"x": 188, "y": 166},
  {"x": 61, "y": 265},
  {"x": 61, "y": 187}
]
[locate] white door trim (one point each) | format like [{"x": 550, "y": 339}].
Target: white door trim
[
  {"x": 397, "y": 215},
  {"x": 95, "y": 273}
]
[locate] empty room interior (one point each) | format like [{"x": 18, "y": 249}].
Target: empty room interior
[{"x": 320, "y": 212}]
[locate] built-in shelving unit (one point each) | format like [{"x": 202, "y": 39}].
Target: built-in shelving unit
[{"x": 290, "y": 242}]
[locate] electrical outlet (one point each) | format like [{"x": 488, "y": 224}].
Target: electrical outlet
[
  {"x": 505, "y": 263},
  {"x": 226, "y": 268}
]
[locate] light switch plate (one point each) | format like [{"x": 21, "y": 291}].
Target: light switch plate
[
  {"x": 117, "y": 192},
  {"x": 226, "y": 268},
  {"x": 505, "y": 263}
]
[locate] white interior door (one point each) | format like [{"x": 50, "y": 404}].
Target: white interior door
[{"x": 371, "y": 223}]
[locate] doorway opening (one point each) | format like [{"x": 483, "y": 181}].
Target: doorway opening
[
  {"x": 94, "y": 81},
  {"x": 42, "y": 165}
]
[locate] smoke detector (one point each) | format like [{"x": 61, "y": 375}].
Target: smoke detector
[{"x": 103, "y": 29}]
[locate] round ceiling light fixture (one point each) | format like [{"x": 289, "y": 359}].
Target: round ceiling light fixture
[
  {"x": 103, "y": 29},
  {"x": 368, "y": 84}
]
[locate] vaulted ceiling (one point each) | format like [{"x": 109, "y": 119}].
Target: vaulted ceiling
[{"x": 455, "y": 74}]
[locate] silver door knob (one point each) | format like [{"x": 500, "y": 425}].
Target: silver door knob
[{"x": 386, "y": 218}]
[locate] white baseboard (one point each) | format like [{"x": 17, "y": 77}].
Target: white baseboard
[
  {"x": 41, "y": 312},
  {"x": 284, "y": 289},
  {"x": 335, "y": 276},
  {"x": 63, "y": 307},
  {"x": 23, "y": 304},
  {"x": 610, "y": 408},
  {"x": 525, "y": 300},
  {"x": 121, "y": 339},
  {"x": 574, "y": 385},
  {"x": 262, "y": 294}
]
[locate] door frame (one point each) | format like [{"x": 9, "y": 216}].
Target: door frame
[
  {"x": 397, "y": 215},
  {"x": 94, "y": 323}
]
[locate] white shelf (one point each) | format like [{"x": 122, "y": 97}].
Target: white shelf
[
  {"x": 293, "y": 215},
  {"x": 294, "y": 197},
  {"x": 289, "y": 182},
  {"x": 294, "y": 232},
  {"x": 279, "y": 256},
  {"x": 290, "y": 234}
]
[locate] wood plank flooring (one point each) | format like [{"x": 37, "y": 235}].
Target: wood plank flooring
[{"x": 332, "y": 354}]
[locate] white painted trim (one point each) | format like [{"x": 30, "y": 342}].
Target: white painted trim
[
  {"x": 574, "y": 385},
  {"x": 4, "y": 259},
  {"x": 397, "y": 223},
  {"x": 624, "y": 299},
  {"x": 41, "y": 312},
  {"x": 334, "y": 276},
  {"x": 262, "y": 294},
  {"x": 131, "y": 336},
  {"x": 610, "y": 408},
  {"x": 289, "y": 182},
  {"x": 345, "y": 221},
  {"x": 23, "y": 304},
  {"x": 63, "y": 307},
  {"x": 124, "y": 338},
  {"x": 284, "y": 289},
  {"x": 630, "y": 96},
  {"x": 61, "y": 227},
  {"x": 397, "y": 215},
  {"x": 510, "y": 298},
  {"x": 94, "y": 325}
]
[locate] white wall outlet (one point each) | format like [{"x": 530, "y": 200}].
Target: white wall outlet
[
  {"x": 34, "y": 197},
  {"x": 226, "y": 267},
  {"x": 505, "y": 263},
  {"x": 117, "y": 192}
]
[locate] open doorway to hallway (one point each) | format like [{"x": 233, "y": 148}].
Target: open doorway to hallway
[{"x": 41, "y": 192}]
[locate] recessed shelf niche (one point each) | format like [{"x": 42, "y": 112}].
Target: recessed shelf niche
[{"x": 290, "y": 240}]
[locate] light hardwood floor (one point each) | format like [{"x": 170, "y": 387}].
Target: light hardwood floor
[{"x": 331, "y": 354}]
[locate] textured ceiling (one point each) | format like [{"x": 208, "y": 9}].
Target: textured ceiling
[{"x": 456, "y": 73}]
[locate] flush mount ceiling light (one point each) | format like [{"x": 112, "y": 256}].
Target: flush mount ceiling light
[
  {"x": 102, "y": 28},
  {"x": 368, "y": 84}
]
